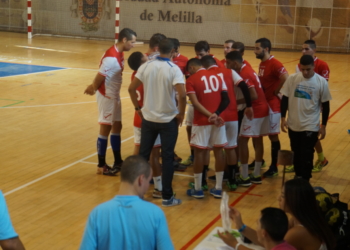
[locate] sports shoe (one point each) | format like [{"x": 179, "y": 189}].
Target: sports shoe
[
  {"x": 243, "y": 182},
  {"x": 319, "y": 165},
  {"x": 188, "y": 161},
  {"x": 255, "y": 179},
  {"x": 270, "y": 173},
  {"x": 179, "y": 167},
  {"x": 177, "y": 158},
  {"x": 105, "y": 170},
  {"x": 232, "y": 186},
  {"x": 289, "y": 169},
  {"x": 157, "y": 194},
  {"x": 217, "y": 193},
  {"x": 198, "y": 194},
  {"x": 251, "y": 166},
  {"x": 171, "y": 202},
  {"x": 204, "y": 187}
]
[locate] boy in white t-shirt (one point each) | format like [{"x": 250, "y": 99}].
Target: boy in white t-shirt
[{"x": 303, "y": 95}]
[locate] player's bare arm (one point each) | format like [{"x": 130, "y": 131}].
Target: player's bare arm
[
  {"x": 132, "y": 92},
  {"x": 283, "y": 79},
  {"x": 253, "y": 96},
  {"x": 94, "y": 86},
  {"x": 181, "y": 94}
]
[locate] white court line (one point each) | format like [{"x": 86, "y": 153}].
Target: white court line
[
  {"x": 56, "y": 171},
  {"x": 41, "y": 72},
  {"x": 96, "y": 70},
  {"x": 50, "y": 105}
]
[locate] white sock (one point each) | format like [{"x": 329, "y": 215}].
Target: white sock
[
  {"x": 244, "y": 171},
  {"x": 158, "y": 183},
  {"x": 219, "y": 177},
  {"x": 257, "y": 168},
  {"x": 198, "y": 181}
]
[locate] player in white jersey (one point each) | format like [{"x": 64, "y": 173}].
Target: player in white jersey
[{"x": 106, "y": 85}]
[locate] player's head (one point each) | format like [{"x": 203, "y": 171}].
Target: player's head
[
  {"x": 193, "y": 65},
  {"x": 155, "y": 40},
  {"x": 309, "y": 48},
  {"x": 262, "y": 48},
  {"x": 136, "y": 59},
  {"x": 228, "y": 45},
  {"x": 272, "y": 225},
  {"x": 234, "y": 60},
  {"x": 166, "y": 47},
  {"x": 307, "y": 66},
  {"x": 238, "y": 46},
  {"x": 136, "y": 172},
  {"x": 176, "y": 46},
  {"x": 127, "y": 37},
  {"x": 202, "y": 48},
  {"x": 208, "y": 61}
]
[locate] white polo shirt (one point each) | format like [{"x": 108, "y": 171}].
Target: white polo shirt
[
  {"x": 304, "y": 101},
  {"x": 159, "y": 77}
]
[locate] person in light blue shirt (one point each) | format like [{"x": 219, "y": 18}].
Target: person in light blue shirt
[
  {"x": 8, "y": 237},
  {"x": 127, "y": 221}
]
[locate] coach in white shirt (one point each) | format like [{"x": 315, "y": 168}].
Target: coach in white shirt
[
  {"x": 304, "y": 94},
  {"x": 161, "y": 79}
]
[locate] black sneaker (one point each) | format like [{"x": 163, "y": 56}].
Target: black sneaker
[
  {"x": 179, "y": 167},
  {"x": 251, "y": 166},
  {"x": 116, "y": 168},
  {"x": 105, "y": 170},
  {"x": 272, "y": 172},
  {"x": 243, "y": 182},
  {"x": 255, "y": 179}
]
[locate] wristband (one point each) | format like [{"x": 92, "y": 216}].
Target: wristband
[
  {"x": 242, "y": 228},
  {"x": 237, "y": 245}
]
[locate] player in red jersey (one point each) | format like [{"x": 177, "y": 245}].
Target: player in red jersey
[
  {"x": 107, "y": 84},
  {"x": 272, "y": 75},
  {"x": 256, "y": 128},
  {"x": 135, "y": 60},
  {"x": 152, "y": 51},
  {"x": 227, "y": 49},
  {"x": 208, "y": 94},
  {"x": 230, "y": 116},
  {"x": 178, "y": 59},
  {"x": 202, "y": 48},
  {"x": 239, "y": 46},
  {"x": 321, "y": 68}
]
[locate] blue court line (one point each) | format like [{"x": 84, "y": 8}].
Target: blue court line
[{"x": 13, "y": 69}]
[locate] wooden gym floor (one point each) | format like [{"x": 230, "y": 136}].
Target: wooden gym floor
[{"x": 48, "y": 153}]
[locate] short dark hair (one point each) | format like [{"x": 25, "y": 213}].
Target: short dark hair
[
  {"x": 311, "y": 43},
  {"x": 135, "y": 60},
  {"x": 202, "y": 45},
  {"x": 155, "y": 40},
  {"x": 239, "y": 46},
  {"x": 235, "y": 56},
  {"x": 166, "y": 45},
  {"x": 275, "y": 222},
  {"x": 126, "y": 33},
  {"x": 229, "y": 41},
  {"x": 306, "y": 60},
  {"x": 133, "y": 167},
  {"x": 264, "y": 43},
  {"x": 193, "y": 62},
  {"x": 176, "y": 43},
  {"x": 208, "y": 61}
]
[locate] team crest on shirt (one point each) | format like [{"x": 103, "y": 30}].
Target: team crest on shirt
[
  {"x": 90, "y": 13},
  {"x": 325, "y": 73}
]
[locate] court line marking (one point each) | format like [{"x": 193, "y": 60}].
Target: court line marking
[
  {"x": 56, "y": 171},
  {"x": 210, "y": 224},
  {"x": 51, "y": 105},
  {"x": 41, "y": 72}
]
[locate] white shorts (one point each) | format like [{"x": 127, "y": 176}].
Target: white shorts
[
  {"x": 208, "y": 136},
  {"x": 137, "y": 138},
  {"x": 256, "y": 127},
  {"x": 275, "y": 123},
  {"x": 189, "y": 115},
  {"x": 109, "y": 110},
  {"x": 231, "y": 134}
]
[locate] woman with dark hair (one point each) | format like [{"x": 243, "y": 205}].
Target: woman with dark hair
[{"x": 308, "y": 229}]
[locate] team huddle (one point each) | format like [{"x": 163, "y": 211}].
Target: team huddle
[{"x": 228, "y": 103}]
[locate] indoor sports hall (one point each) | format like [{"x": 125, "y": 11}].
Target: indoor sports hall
[{"x": 51, "y": 50}]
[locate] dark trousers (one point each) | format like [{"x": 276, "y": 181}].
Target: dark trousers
[
  {"x": 302, "y": 144},
  {"x": 168, "y": 135}
]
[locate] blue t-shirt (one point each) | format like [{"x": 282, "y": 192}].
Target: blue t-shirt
[
  {"x": 6, "y": 229},
  {"x": 126, "y": 222}
]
